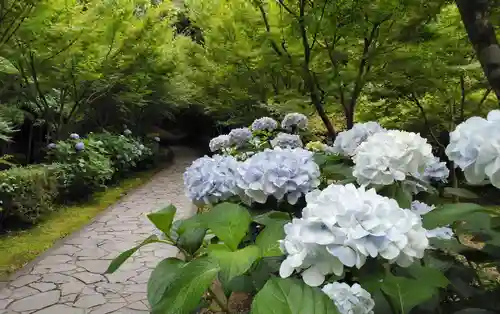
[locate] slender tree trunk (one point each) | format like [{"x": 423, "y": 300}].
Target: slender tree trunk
[{"x": 475, "y": 17}]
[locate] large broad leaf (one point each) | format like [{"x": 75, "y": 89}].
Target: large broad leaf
[
  {"x": 191, "y": 233},
  {"x": 117, "y": 262},
  {"x": 229, "y": 222},
  {"x": 163, "y": 218},
  {"x": 449, "y": 213},
  {"x": 464, "y": 193},
  {"x": 161, "y": 278},
  {"x": 262, "y": 270},
  {"x": 406, "y": 293},
  {"x": 7, "y": 67},
  {"x": 430, "y": 276},
  {"x": 268, "y": 239},
  {"x": 187, "y": 288},
  {"x": 291, "y": 296},
  {"x": 235, "y": 263}
]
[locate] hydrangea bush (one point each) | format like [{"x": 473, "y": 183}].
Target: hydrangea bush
[{"x": 355, "y": 228}]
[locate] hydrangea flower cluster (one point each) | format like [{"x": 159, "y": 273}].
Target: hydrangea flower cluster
[
  {"x": 350, "y": 300},
  {"x": 79, "y": 146},
  {"x": 280, "y": 173},
  {"x": 264, "y": 124},
  {"x": 211, "y": 179},
  {"x": 156, "y": 139},
  {"x": 285, "y": 140},
  {"x": 391, "y": 156},
  {"x": 52, "y": 146},
  {"x": 239, "y": 137},
  {"x": 74, "y": 136},
  {"x": 127, "y": 132},
  {"x": 294, "y": 120},
  {"x": 351, "y": 224},
  {"x": 436, "y": 170},
  {"x": 219, "y": 143},
  {"x": 475, "y": 148},
  {"x": 346, "y": 142}
]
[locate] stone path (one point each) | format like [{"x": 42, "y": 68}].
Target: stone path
[{"x": 69, "y": 279}]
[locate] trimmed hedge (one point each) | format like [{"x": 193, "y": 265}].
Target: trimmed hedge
[{"x": 27, "y": 193}]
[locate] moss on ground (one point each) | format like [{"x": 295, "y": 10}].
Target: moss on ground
[{"x": 20, "y": 247}]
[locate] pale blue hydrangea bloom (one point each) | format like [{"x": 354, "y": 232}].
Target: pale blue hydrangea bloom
[
  {"x": 421, "y": 208},
  {"x": 285, "y": 140},
  {"x": 436, "y": 170},
  {"x": 127, "y": 132},
  {"x": 442, "y": 233},
  {"x": 79, "y": 146},
  {"x": 264, "y": 124},
  {"x": 350, "y": 300},
  {"x": 51, "y": 146},
  {"x": 346, "y": 142},
  {"x": 218, "y": 143},
  {"x": 211, "y": 179},
  {"x": 74, "y": 136},
  {"x": 475, "y": 148},
  {"x": 279, "y": 173},
  {"x": 239, "y": 137},
  {"x": 294, "y": 120}
]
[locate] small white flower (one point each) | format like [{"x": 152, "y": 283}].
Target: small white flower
[
  {"x": 218, "y": 143},
  {"x": 74, "y": 136},
  {"x": 285, "y": 140},
  {"x": 391, "y": 156},
  {"x": 350, "y": 300},
  {"x": 443, "y": 233},
  {"x": 127, "y": 132},
  {"x": 294, "y": 120},
  {"x": 51, "y": 146},
  {"x": 475, "y": 148},
  {"x": 156, "y": 139},
  {"x": 264, "y": 124},
  {"x": 346, "y": 142},
  {"x": 420, "y": 208},
  {"x": 240, "y": 137}
]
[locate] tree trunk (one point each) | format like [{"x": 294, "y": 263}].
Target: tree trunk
[{"x": 481, "y": 34}]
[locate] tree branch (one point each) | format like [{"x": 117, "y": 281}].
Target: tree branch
[{"x": 426, "y": 121}]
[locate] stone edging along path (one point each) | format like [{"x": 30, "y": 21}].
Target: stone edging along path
[{"x": 69, "y": 279}]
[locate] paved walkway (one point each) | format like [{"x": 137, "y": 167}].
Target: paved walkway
[{"x": 69, "y": 279}]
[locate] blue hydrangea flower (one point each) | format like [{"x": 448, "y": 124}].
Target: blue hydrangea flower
[
  {"x": 294, "y": 119},
  {"x": 51, "y": 146},
  {"x": 279, "y": 173},
  {"x": 218, "y": 143},
  {"x": 285, "y": 140},
  {"x": 347, "y": 141},
  {"x": 79, "y": 146},
  {"x": 436, "y": 171},
  {"x": 74, "y": 136},
  {"x": 239, "y": 137},
  {"x": 211, "y": 179},
  {"x": 264, "y": 124},
  {"x": 127, "y": 132}
]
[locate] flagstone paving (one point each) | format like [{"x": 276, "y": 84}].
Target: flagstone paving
[{"x": 69, "y": 279}]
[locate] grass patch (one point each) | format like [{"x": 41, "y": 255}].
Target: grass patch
[{"x": 20, "y": 247}]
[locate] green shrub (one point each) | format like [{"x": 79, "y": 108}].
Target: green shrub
[
  {"x": 126, "y": 153},
  {"x": 27, "y": 192},
  {"x": 83, "y": 166}
]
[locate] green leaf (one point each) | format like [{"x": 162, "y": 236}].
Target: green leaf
[
  {"x": 402, "y": 196},
  {"x": 235, "y": 263},
  {"x": 187, "y": 288},
  {"x": 191, "y": 234},
  {"x": 243, "y": 283},
  {"x": 272, "y": 217},
  {"x": 7, "y": 67},
  {"x": 229, "y": 222},
  {"x": 161, "y": 278},
  {"x": 163, "y": 218},
  {"x": 474, "y": 311},
  {"x": 263, "y": 269},
  {"x": 431, "y": 276},
  {"x": 267, "y": 240},
  {"x": 464, "y": 193},
  {"x": 406, "y": 293},
  {"x": 291, "y": 296},
  {"x": 449, "y": 213},
  {"x": 335, "y": 170},
  {"x": 117, "y": 262}
]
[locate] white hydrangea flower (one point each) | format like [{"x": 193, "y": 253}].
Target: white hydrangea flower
[
  {"x": 280, "y": 173},
  {"x": 211, "y": 179},
  {"x": 435, "y": 170},
  {"x": 240, "y": 137},
  {"x": 219, "y": 143},
  {"x": 264, "y": 124},
  {"x": 285, "y": 140},
  {"x": 475, "y": 148},
  {"x": 294, "y": 120},
  {"x": 346, "y": 142},
  {"x": 350, "y": 300},
  {"x": 421, "y": 208},
  {"x": 391, "y": 156}
]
